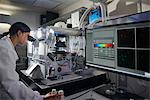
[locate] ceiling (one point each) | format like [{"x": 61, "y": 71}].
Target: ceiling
[{"x": 35, "y": 5}]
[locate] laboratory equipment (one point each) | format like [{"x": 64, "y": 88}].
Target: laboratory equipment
[
  {"x": 49, "y": 47},
  {"x": 36, "y": 71},
  {"x": 94, "y": 15},
  {"x": 117, "y": 45}
]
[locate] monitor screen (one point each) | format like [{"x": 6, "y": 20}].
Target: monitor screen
[
  {"x": 94, "y": 15},
  {"x": 100, "y": 47},
  {"x": 119, "y": 49}
]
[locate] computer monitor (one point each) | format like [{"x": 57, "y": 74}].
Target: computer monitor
[
  {"x": 95, "y": 15},
  {"x": 124, "y": 49}
]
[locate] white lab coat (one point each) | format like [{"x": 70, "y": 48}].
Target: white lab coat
[{"x": 10, "y": 86}]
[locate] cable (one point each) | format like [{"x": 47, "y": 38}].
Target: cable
[
  {"x": 79, "y": 95},
  {"x": 92, "y": 89}
]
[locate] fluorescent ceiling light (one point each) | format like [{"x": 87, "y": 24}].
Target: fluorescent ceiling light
[
  {"x": 4, "y": 27},
  {"x": 10, "y": 7},
  {"x": 4, "y": 23},
  {"x": 5, "y": 12}
]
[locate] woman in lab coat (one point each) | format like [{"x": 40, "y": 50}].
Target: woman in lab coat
[{"x": 10, "y": 86}]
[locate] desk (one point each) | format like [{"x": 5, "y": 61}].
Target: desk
[
  {"x": 87, "y": 80},
  {"x": 98, "y": 93},
  {"x": 117, "y": 95},
  {"x": 86, "y": 95}
]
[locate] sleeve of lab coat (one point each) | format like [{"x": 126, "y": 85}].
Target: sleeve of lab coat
[{"x": 10, "y": 80}]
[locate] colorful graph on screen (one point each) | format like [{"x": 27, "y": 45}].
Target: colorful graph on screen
[{"x": 104, "y": 45}]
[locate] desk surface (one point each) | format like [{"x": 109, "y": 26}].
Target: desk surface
[
  {"x": 117, "y": 95},
  {"x": 70, "y": 84},
  {"x": 98, "y": 93}
]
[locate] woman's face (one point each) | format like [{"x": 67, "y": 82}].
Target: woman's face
[{"x": 23, "y": 37}]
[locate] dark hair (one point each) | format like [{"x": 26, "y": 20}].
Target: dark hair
[{"x": 15, "y": 28}]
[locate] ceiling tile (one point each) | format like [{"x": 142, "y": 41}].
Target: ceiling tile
[
  {"x": 37, "y": 5},
  {"x": 27, "y": 2},
  {"x": 49, "y": 4},
  {"x": 64, "y": 1},
  {"x": 64, "y": 4}
]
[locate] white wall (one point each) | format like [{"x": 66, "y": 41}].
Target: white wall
[{"x": 32, "y": 19}]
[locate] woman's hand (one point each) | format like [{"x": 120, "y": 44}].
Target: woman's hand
[{"x": 51, "y": 96}]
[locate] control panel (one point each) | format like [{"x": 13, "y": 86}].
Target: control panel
[{"x": 101, "y": 46}]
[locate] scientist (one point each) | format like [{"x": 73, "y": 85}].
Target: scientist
[{"x": 10, "y": 86}]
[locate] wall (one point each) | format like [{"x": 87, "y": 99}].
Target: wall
[{"x": 32, "y": 19}]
